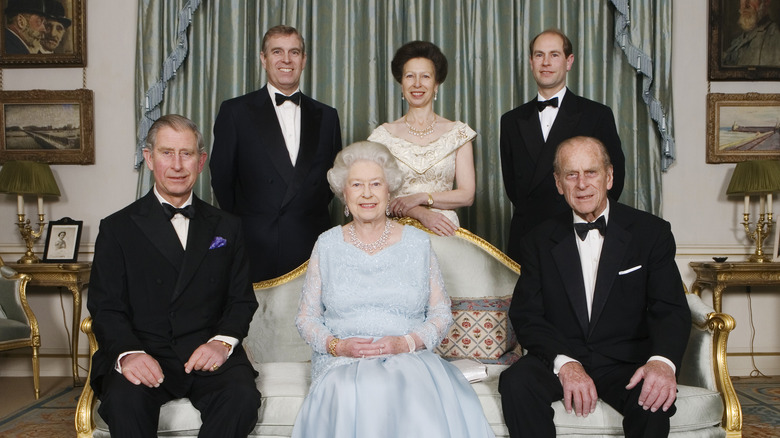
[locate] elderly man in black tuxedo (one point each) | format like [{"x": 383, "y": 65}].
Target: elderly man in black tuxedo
[
  {"x": 272, "y": 149},
  {"x": 171, "y": 300},
  {"x": 530, "y": 133},
  {"x": 601, "y": 311}
]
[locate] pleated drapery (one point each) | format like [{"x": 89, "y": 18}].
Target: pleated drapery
[{"x": 350, "y": 43}]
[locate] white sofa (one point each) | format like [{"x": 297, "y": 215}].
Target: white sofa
[{"x": 707, "y": 405}]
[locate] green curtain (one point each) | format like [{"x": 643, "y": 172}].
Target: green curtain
[{"x": 350, "y": 43}]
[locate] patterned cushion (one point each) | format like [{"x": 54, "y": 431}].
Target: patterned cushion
[{"x": 481, "y": 331}]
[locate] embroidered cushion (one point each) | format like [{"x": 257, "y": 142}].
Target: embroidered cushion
[{"x": 481, "y": 331}]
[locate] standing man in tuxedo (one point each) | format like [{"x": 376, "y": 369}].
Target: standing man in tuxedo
[
  {"x": 530, "y": 133},
  {"x": 170, "y": 300},
  {"x": 272, "y": 150},
  {"x": 602, "y": 312}
]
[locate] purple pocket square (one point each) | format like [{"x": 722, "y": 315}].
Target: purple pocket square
[{"x": 218, "y": 242}]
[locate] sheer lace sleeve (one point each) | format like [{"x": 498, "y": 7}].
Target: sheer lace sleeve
[
  {"x": 309, "y": 321},
  {"x": 438, "y": 314}
]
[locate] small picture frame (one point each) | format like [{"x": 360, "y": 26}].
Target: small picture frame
[
  {"x": 47, "y": 126},
  {"x": 43, "y": 33},
  {"x": 743, "y": 41},
  {"x": 743, "y": 127},
  {"x": 62, "y": 241}
]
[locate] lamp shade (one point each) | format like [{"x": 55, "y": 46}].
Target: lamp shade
[
  {"x": 753, "y": 177},
  {"x": 28, "y": 178}
]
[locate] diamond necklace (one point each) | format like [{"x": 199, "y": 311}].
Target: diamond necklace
[
  {"x": 370, "y": 247},
  {"x": 420, "y": 132}
]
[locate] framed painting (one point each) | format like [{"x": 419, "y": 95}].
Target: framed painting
[
  {"x": 744, "y": 40},
  {"x": 62, "y": 241},
  {"x": 43, "y": 33},
  {"x": 742, "y": 127},
  {"x": 55, "y": 127}
]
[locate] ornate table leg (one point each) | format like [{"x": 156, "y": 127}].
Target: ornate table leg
[{"x": 717, "y": 297}]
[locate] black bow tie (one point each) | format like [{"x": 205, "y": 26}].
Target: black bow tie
[
  {"x": 170, "y": 211},
  {"x": 542, "y": 104},
  {"x": 294, "y": 98},
  {"x": 582, "y": 228}
]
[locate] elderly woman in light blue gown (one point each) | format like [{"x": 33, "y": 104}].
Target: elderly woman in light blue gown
[{"x": 373, "y": 308}]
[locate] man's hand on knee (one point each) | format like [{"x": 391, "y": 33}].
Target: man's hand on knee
[
  {"x": 578, "y": 388},
  {"x": 208, "y": 357},
  {"x": 141, "y": 368},
  {"x": 660, "y": 387}
]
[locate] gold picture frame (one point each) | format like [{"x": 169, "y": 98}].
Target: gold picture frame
[
  {"x": 737, "y": 54},
  {"x": 742, "y": 127},
  {"x": 47, "y": 126}
]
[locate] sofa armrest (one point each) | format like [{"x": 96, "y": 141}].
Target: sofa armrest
[
  {"x": 705, "y": 365},
  {"x": 85, "y": 424}
]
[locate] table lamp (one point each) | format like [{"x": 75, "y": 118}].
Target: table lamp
[
  {"x": 28, "y": 178},
  {"x": 762, "y": 178}
]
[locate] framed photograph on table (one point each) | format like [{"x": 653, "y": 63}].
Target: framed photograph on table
[
  {"x": 43, "y": 33},
  {"x": 744, "y": 40},
  {"x": 47, "y": 126},
  {"x": 742, "y": 127},
  {"x": 62, "y": 241}
]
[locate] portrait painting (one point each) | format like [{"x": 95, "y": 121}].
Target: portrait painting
[
  {"x": 744, "y": 40},
  {"x": 54, "y": 127},
  {"x": 43, "y": 33},
  {"x": 62, "y": 240},
  {"x": 742, "y": 127}
]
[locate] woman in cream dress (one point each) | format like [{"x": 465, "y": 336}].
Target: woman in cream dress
[{"x": 434, "y": 153}]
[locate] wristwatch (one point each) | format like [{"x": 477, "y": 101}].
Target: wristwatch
[{"x": 430, "y": 200}]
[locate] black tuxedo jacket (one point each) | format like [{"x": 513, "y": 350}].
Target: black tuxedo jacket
[
  {"x": 283, "y": 208},
  {"x": 527, "y": 160},
  {"x": 147, "y": 293},
  {"x": 639, "y": 305}
]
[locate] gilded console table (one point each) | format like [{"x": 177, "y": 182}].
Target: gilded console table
[
  {"x": 75, "y": 277},
  {"x": 719, "y": 276}
]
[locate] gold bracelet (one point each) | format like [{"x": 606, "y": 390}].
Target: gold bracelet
[
  {"x": 227, "y": 345},
  {"x": 332, "y": 346}
]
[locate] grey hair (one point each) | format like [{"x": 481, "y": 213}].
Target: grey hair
[
  {"x": 576, "y": 141},
  {"x": 364, "y": 151},
  {"x": 177, "y": 123}
]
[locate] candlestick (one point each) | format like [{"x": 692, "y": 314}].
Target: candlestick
[{"x": 20, "y": 204}]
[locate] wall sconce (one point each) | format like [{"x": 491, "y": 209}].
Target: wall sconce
[
  {"x": 760, "y": 177},
  {"x": 28, "y": 178}
]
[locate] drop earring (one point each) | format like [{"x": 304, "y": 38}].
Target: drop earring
[
  {"x": 346, "y": 211},
  {"x": 436, "y": 96},
  {"x": 387, "y": 210}
]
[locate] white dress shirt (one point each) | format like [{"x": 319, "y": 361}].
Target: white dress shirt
[
  {"x": 289, "y": 116},
  {"x": 548, "y": 115}
]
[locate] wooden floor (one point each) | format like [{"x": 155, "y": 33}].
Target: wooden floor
[{"x": 17, "y": 392}]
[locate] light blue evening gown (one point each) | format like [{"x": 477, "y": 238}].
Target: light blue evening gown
[{"x": 396, "y": 291}]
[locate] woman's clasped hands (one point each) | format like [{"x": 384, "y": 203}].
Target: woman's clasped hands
[{"x": 363, "y": 347}]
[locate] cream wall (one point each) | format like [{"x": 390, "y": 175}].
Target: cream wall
[{"x": 703, "y": 219}]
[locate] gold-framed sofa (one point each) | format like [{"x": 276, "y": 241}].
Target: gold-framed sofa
[{"x": 707, "y": 405}]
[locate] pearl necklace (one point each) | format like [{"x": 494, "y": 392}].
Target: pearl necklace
[
  {"x": 420, "y": 132},
  {"x": 370, "y": 247}
]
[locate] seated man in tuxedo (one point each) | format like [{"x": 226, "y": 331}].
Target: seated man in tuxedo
[
  {"x": 602, "y": 312},
  {"x": 170, "y": 300}
]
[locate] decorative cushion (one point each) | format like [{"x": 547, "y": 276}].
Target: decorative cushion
[{"x": 481, "y": 331}]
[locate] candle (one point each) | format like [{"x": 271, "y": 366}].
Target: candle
[
  {"x": 761, "y": 202},
  {"x": 769, "y": 203},
  {"x": 747, "y": 204},
  {"x": 40, "y": 204},
  {"x": 19, "y": 204}
]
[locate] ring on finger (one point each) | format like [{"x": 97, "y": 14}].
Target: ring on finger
[
  {"x": 380, "y": 350},
  {"x": 214, "y": 367}
]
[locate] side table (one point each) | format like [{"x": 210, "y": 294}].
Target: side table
[
  {"x": 75, "y": 277},
  {"x": 719, "y": 276}
]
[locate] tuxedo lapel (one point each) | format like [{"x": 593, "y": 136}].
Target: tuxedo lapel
[
  {"x": 199, "y": 236},
  {"x": 530, "y": 129},
  {"x": 153, "y": 223},
  {"x": 270, "y": 136},
  {"x": 616, "y": 242},
  {"x": 311, "y": 118},
  {"x": 567, "y": 260},
  {"x": 565, "y": 122}
]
